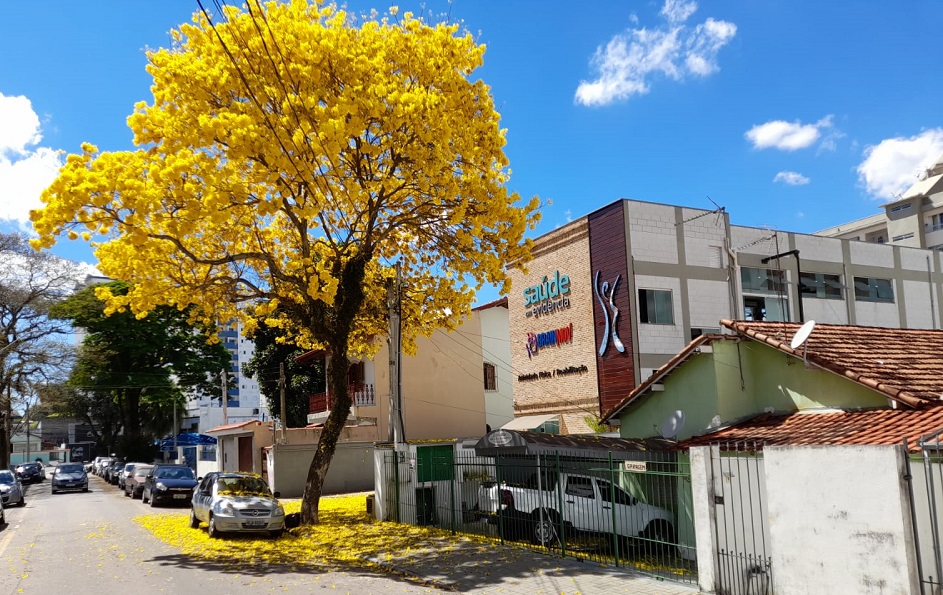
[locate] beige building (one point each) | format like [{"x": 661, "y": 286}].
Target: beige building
[
  {"x": 914, "y": 219},
  {"x": 443, "y": 386}
]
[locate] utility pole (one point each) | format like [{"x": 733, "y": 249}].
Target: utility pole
[
  {"x": 394, "y": 302},
  {"x": 222, "y": 376},
  {"x": 281, "y": 397}
]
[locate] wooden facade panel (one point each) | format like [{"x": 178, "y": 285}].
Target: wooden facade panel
[{"x": 609, "y": 259}]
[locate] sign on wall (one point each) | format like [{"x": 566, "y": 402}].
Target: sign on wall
[
  {"x": 537, "y": 341},
  {"x": 548, "y": 296}
]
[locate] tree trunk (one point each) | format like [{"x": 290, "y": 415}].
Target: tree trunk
[{"x": 327, "y": 442}]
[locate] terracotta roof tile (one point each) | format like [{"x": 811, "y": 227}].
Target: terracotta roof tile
[
  {"x": 804, "y": 428},
  {"x": 904, "y": 364}
]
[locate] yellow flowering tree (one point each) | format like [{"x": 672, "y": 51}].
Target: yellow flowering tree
[{"x": 291, "y": 155}]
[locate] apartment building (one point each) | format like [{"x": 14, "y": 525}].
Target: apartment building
[
  {"x": 613, "y": 295},
  {"x": 914, "y": 219}
]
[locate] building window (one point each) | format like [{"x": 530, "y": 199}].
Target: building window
[
  {"x": 902, "y": 207},
  {"x": 491, "y": 379},
  {"x": 935, "y": 222},
  {"x": 654, "y": 306},
  {"x": 208, "y": 452},
  {"x": 697, "y": 332},
  {"x": 820, "y": 285},
  {"x": 905, "y": 236},
  {"x": 870, "y": 289},
  {"x": 763, "y": 280}
]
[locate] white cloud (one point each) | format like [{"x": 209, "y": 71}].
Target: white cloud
[
  {"x": 894, "y": 164},
  {"x": 25, "y": 169},
  {"x": 629, "y": 59},
  {"x": 791, "y": 178},
  {"x": 789, "y": 136}
]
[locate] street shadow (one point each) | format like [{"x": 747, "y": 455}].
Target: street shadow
[{"x": 263, "y": 568}]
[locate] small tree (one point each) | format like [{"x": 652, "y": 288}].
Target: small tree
[
  {"x": 289, "y": 158},
  {"x": 30, "y": 283},
  {"x": 132, "y": 369},
  {"x": 301, "y": 380}
]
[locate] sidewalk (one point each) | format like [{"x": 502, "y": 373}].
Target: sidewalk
[{"x": 469, "y": 566}]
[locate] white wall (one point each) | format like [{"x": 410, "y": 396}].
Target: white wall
[
  {"x": 351, "y": 468},
  {"x": 662, "y": 338},
  {"x": 653, "y": 232},
  {"x": 496, "y": 349},
  {"x": 839, "y": 520}
]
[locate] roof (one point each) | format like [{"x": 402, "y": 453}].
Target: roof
[
  {"x": 529, "y": 422},
  {"x": 924, "y": 187},
  {"x": 805, "y": 428},
  {"x": 235, "y": 426},
  {"x": 498, "y": 303},
  {"x": 693, "y": 348},
  {"x": 904, "y": 364},
  {"x": 511, "y": 442}
]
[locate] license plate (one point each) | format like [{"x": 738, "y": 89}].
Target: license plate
[
  {"x": 180, "y": 496},
  {"x": 255, "y": 523}
]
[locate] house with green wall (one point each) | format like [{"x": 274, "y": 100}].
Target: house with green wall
[{"x": 757, "y": 368}]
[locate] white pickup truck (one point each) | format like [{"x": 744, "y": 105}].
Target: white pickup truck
[{"x": 584, "y": 503}]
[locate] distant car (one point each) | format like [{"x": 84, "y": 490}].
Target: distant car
[
  {"x": 31, "y": 472},
  {"x": 101, "y": 463},
  {"x": 3, "y": 516},
  {"x": 238, "y": 503},
  {"x": 134, "y": 483},
  {"x": 69, "y": 476},
  {"x": 168, "y": 483},
  {"x": 125, "y": 472},
  {"x": 11, "y": 491},
  {"x": 111, "y": 473}
]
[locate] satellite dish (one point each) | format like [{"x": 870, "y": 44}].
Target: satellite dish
[
  {"x": 673, "y": 424},
  {"x": 802, "y": 335}
]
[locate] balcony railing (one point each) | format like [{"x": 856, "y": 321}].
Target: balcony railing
[{"x": 362, "y": 395}]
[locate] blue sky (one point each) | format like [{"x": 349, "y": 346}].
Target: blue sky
[{"x": 792, "y": 114}]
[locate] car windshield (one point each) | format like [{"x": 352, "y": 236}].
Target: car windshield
[
  {"x": 142, "y": 471},
  {"x": 7, "y": 477},
  {"x": 175, "y": 473},
  {"x": 69, "y": 469},
  {"x": 129, "y": 467},
  {"x": 242, "y": 486}
]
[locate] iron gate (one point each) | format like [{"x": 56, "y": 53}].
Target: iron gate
[
  {"x": 585, "y": 498},
  {"x": 925, "y": 480},
  {"x": 741, "y": 521}
]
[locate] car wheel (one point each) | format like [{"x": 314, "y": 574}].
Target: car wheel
[
  {"x": 194, "y": 522},
  {"x": 85, "y": 489},
  {"x": 144, "y": 496},
  {"x": 545, "y": 528},
  {"x": 53, "y": 490},
  {"x": 211, "y": 529},
  {"x": 276, "y": 534},
  {"x": 22, "y": 502},
  {"x": 153, "y": 501},
  {"x": 127, "y": 494}
]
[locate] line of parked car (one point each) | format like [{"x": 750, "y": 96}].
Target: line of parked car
[{"x": 228, "y": 502}]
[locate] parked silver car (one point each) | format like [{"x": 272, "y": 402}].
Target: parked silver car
[
  {"x": 11, "y": 490},
  {"x": 236, "y": 502}
]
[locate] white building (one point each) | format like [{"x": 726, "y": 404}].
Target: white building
[{"x": 914, "y": 219}]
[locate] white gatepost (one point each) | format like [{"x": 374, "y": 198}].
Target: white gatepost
[{"x": 705, "y": 512}]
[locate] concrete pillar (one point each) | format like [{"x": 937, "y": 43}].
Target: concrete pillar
[{"x": 702, "y": 493}]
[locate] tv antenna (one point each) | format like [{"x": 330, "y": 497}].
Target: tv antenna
[
  {"x": 800, "y": 339},
  {"x": 719, "y": 211}
]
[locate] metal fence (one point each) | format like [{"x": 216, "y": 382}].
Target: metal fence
[
  {"x": 628, "y": 509},
  {"x": 925, "y": 480},
  {"x": 744, "y": 564}
]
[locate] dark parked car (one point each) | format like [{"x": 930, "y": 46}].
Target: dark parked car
[
  {"x": 31, "y": 472},
  {"x": 169, "y": 483},
  {"x": 134, "y": 483},
  {"x": 126, "y": 470},
  {"x": 112, "y": 471},
  {"x": 69, "y": 476}
]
